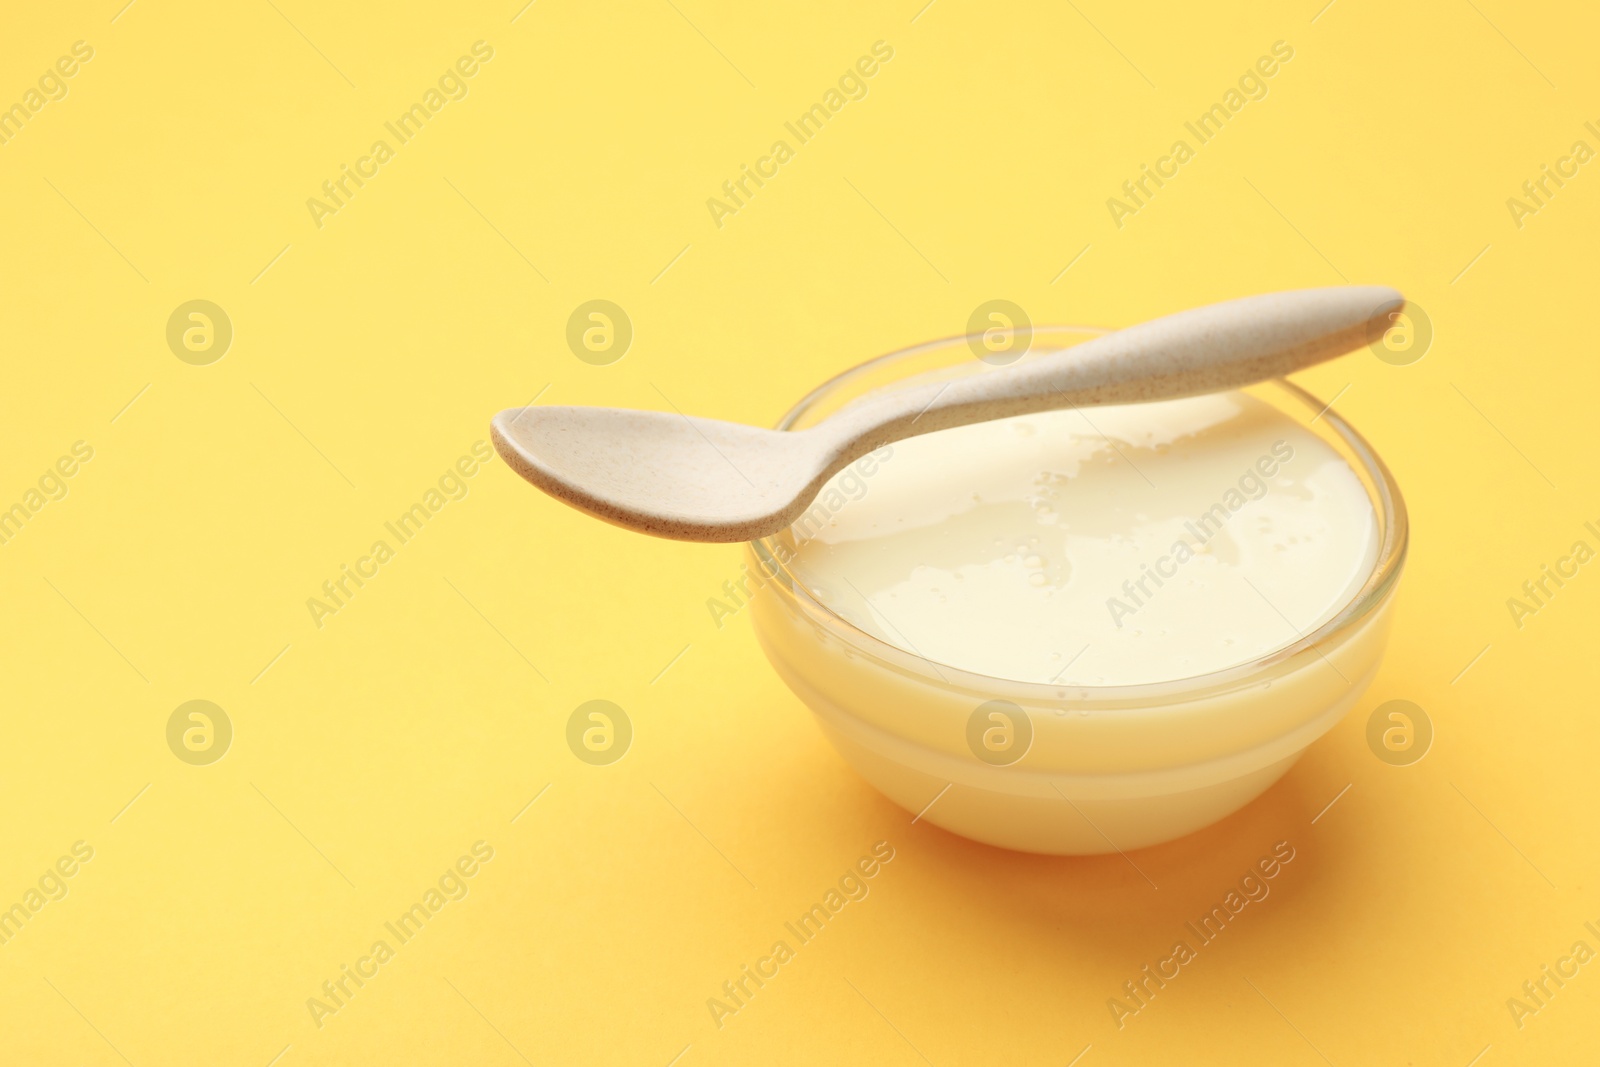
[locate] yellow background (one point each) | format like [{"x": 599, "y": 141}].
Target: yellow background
[{"x": 426, "y": 714}]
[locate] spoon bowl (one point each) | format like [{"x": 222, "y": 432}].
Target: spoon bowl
[{"x": 668, "y": 474}]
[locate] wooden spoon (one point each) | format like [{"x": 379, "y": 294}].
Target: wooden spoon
[{"x": 697, "y": 479}]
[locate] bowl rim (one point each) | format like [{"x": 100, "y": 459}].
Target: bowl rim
[{"x": 1394, "y": 526}]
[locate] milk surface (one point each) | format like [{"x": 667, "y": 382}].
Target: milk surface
[{"x": 1100, "y": 546}]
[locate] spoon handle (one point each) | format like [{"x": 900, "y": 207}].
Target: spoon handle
[{"x": 1203, "y": 350}]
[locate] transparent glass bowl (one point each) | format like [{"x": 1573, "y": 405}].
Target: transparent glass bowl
[{"x": 1106, "y": 767}]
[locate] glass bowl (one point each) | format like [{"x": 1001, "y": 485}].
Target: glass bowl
[{"x": 1083, "y": 769}]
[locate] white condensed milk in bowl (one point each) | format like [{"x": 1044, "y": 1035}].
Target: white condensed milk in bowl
[{"x": 1086, "y": 629}]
